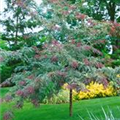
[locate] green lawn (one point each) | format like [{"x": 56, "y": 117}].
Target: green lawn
[
  {"x": 60, "y": 111},
  {"x": 3, "y": 91}
]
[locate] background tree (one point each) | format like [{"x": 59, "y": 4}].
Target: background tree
[
  {"x": 17, "y": 22},
  {"x": 101, "y": 9}
]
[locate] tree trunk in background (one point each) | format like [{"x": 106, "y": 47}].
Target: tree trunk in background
[
  {"x": 111, "y": 7},
  {"x": 16, "y": 33}
]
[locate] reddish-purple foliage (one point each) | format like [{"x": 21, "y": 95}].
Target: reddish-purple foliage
[
  {"x": 8, "y": 98},
  {"x": 45, "y": 56},
  {"x": 37, "y": 56},
  {"x": 55, "y": 42},
  {"x": 20, "y": 3},
  {"x": 53, "y": 1},
  {"x": 36, "y": 49},
  {"x": 72, "y": 7},
  {"x": 104, "y": 81},
  {"x": 102, "y": 41},
  {"x": 99, "y": 65},
  {"x": 56, "y": 46},
  {"x": 87, "y": 81},
  {"x": 79, "y": 44},
  {"x": 80, "y": 16},
  {"x": 86, "y": 61},
  {"x": 54, "y": 59},
  {"x": 21, "y": 83},
  {"x": 87, "y": 47},
  {"x": 97, "y": 52},
  {"x": 31, "y": 77},
  {"x": 66, "y": 68},
  {"x": 8, "y": 115},
  {"x": 66, "y": 12},
  {"x": 73, "y": 41},
  {"x": 71, "y": 86},
  {"x": 116, "y": 24},
  {"x": 61, "y": 74},
  {"x": 30, "y": 89},
  {"x": 45, "y": 46},
  {"x": 74, "y": 64},
  {"x": 35, "y": 102},
  {"x": 37, "y": 80},
  {"x": 114, "y": 30},
  {"x": 1, "y": 59},
  {"x": 20, "y": 93},
  {"x": 61, "y": 82}
]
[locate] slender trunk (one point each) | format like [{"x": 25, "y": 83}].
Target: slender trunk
[
  {"x": 70, "y": 102},
  {"x": 16, "y": 33}
]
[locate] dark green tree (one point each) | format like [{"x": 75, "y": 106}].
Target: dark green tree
[{"x": 101, "y": 9}]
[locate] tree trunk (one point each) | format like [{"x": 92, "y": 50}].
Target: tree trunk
[
  {"x": 111, "y": 11},
  {"x": 70, "y": 103},
  {"x": 16, "y": 33},
  {"x": 111, "y": 6}
]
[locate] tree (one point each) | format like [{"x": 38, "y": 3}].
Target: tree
[{"x": 102, "y": 9}]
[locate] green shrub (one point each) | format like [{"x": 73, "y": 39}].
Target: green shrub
[
  {"x": 3, "y": 44},
  {"x": 6, "y": 72},
  {"x": 116, "y": 63},
  {"x": 61, "y": 97}
]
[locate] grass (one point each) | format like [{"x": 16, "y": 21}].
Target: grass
[
  {"x": 61, "y": 111},
  {"x": 3, "y": 91}
]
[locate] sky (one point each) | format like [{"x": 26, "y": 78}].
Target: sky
[
  {"x": 38, "y": 1},
  {"x": 2, "y": 4}
]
